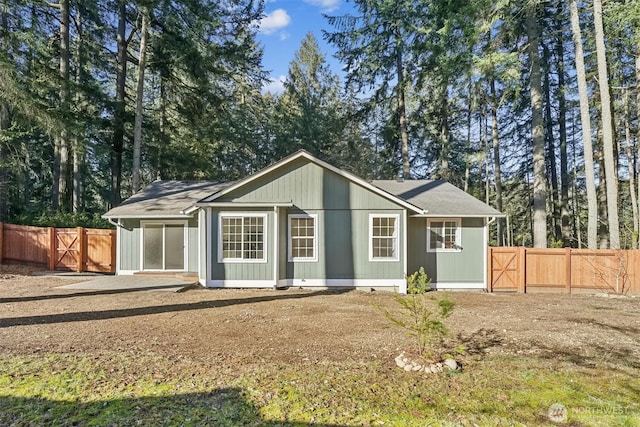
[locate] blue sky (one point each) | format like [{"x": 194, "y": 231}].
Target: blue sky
[{"x": 285, "y": 24}]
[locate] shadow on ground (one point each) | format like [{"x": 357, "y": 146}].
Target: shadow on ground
[
  {"x": 87, "y": 293},
  {"x": 479, "y": 341},
  {"x": 221, "y": 407},
  {"x": 157, "y": 309}
]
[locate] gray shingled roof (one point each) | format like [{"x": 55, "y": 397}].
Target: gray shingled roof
[
  {"x": 170, "y": 198},
  {"x": 438, "y": 198},
  {"x": 165, "y": 198}
]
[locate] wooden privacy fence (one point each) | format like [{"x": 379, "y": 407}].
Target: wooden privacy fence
[
  {"x": 519, "y": 269},
  {"x": 74, "y": 249}
]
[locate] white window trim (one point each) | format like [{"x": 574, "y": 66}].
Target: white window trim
[
  {"x": 396, "y": 235},
  {"x": 458, "y": 242},
  {"x": 265, "y": 224},
  {"x": 184, "y": 223},
  {"x": 290, "y": 256}
]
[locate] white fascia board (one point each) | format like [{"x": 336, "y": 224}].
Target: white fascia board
[
  {"x": 147, "y": 216},
  {"x": 244, "y": 204},
  {"x": 433, "y": 215},
  {"x": 304, "y": 154}
]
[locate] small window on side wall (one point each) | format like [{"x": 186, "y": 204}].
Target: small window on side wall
[
  {"x": 383, "y": 237},
  {"x": 303, "y": 237},
  {"x": 444, "y": 235}
]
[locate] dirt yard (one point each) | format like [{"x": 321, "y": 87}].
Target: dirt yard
[{"x": 301, "y": 326}]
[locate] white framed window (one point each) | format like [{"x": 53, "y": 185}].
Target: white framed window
[
  {"x": 164, "y": 245},
  {"x": 383, "y": 237},
  {"x": 303, "y": 237},
  {"x": 444, "y": 235},
  {"x": 242, "y": 237}
]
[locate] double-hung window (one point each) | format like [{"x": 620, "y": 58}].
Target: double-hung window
[
  {"x": 242, "y": 237},
  {"x": 443, "y": 235},
  {"x": 303, "y": 237},
  {"x": 383, "y": 237}
]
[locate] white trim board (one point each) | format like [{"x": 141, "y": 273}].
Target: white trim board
[
  {"x": 458, "y": 285},
  {"x": 239, "y": 283},
  {"x": 127, "y": 272},
  {"x": 307, "y": 283},
  {"x": 359, "y": 283}
]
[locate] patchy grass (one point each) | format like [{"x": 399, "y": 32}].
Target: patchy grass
[{"x": 149, "y": 390}]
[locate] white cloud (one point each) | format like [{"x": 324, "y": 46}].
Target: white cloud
[
  {"x": 275, "y": 85},
  {"x": 326, "y": 5},
  {"x": 275, "y": 20}
]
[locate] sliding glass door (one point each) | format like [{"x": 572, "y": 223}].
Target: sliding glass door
[{"x": 163, "y": 246}]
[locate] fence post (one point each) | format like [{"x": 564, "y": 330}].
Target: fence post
[
  {"x": 1, "y": 243},
  {"x": 522, "y": 269},
  {"x": 114, "y": 260},
  {"x": 82, "y": 250},
  {"x": 567, "y": 265},
  {"x": 489, "y": 271},
  {"x": 52, "y": 249}
]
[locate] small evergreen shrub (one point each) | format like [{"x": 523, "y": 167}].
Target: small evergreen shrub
[{"x": 418, "y": 282}]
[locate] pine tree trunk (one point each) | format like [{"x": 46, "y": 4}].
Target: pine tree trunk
[
  {"x": 467, "y": 165},
  {"x": 78, "y": 145},
  {"x": 137, "y": 127},
  {"x": 631, "y": 170},
  {"x": 4, "y": 124},
  {"x": 607, "y": 129},
  {"x": 119, "y": 110},
  {"x": 402, "y": 109},
  {"x": 585, "y": 118},
  {"x": 61, "y": 142},
  {"x": 444, "y": 133},
  {"x": 551, "y": 148},
  {"x": 603, "y": 230},
  {"x": 638, "y": 115},
  {"x": 562, "y": 132},
  {"x": 537, "y": 133},
  {"x": 497, "y": 174}
]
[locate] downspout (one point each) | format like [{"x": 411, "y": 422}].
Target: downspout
[
  {"x": 405, "y": 250},
  {"x": 276, "y": 247},
  {"x": 486, "y": 261},
  {"x": 486, "y": 246},
  {"x": 116, "y": 224}
]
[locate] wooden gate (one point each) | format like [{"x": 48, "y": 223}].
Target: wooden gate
[
  {"x": 505, "y": 268},
  {"x": 99, "y": 252},
  {"x": 66, "y": 249}
]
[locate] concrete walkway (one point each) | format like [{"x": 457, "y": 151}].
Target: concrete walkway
[{"x": 132, "y": 283}]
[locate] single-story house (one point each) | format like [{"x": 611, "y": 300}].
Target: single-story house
[{"x": 303, "y": 222}]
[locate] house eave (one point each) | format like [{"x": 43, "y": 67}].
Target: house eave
[
  {"x": 133, "y": 216},
  {"x": 238, "y": 205},
  {"x": 436, "y": 215}
]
